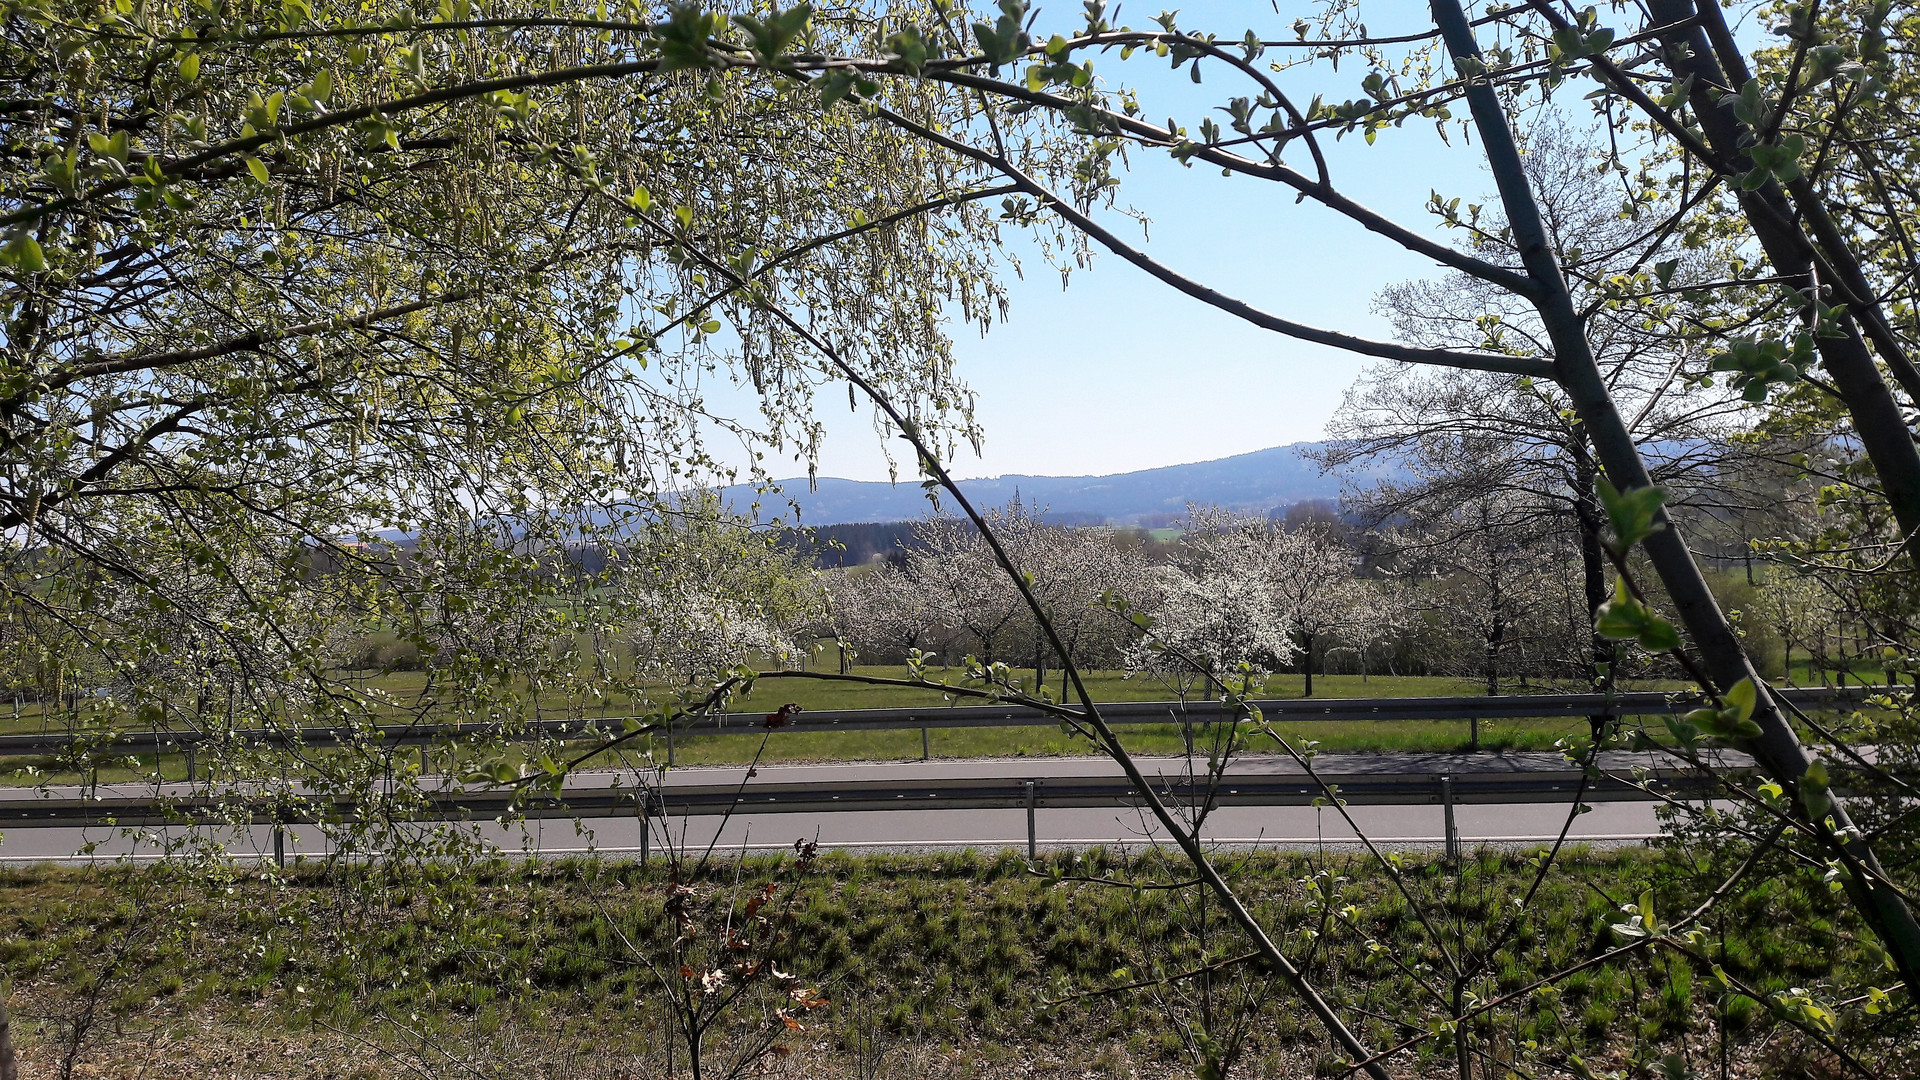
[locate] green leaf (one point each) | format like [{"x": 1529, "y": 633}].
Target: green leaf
[
  {"x": 1685, "y": 730},
  {"x": 1659, "y": 635},
  {"x": 683, "y": 38},
  {"x": 1627, "y": 619},
  {"x": 23, "y": 252},
  {"x": 257, "y": 167},
  {"x": 1632, "y": 513},
  {"x": 911, "y": 48},
  {"x": 1742, "y": 698},
  {"x": 1726, "y": 724},
  {"x": 834, "y": 86},
  {"x": 190, "y": 66},
  {"x": 1815, "y": 777},
  {"x": 1815, "y": 793}
]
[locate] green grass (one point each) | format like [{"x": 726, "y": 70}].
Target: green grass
[
  {"x": 1039, "y": 741},
  {"x": 1353, "y": 736},
  {"x": 819, "y": 695},
  {"x": 926, "y": 954}
]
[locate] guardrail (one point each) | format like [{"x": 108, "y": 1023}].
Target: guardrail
[
  {"x": 1435, "y": 779},
  {"x": 1288, "y": 710}
]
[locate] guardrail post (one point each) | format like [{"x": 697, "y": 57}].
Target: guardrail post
[
  {"x": 423, "y": 759},
  {"x": 926, "y": 746},
  {"x": 646, "y": 820},
  {"x": 1033, "y": 836},
  {"x": 280, "y": 845},
  {"x": 190, "y": 763},
  {"x": 1453, "y": 832},
  {"x": 669, "y": 743}
]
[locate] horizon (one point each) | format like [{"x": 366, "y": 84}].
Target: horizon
[{"x": 1054, "y": 476}]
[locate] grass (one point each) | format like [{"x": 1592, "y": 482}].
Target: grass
[
  {"x": 923, "y": 958},
  {"x": 1038, "y": 741},
  {"x": 819, "y": 695},
  {"x": 1422, "y": 736},
  {"x": 1360, "y": 736},
  {"x": 1411, "y": 736}
]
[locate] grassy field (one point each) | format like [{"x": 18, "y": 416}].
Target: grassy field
[
  {"x": 1105, "y": 685},
  {"x": 940, "y": 966},
  {"x": 1358, "y": 736},
  {"x": 821, "y": 695},
  {"x": 1039, "y": 741}
]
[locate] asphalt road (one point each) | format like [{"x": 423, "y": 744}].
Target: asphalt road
[
  {"x": 1397, "y": 827},
  {"x": 1536, "y": 820}
]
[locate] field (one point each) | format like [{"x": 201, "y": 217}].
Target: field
[
  {"x": 824, "y": 695},
  {"x": 1113, "y": 686},
  {"x": 947, "y": 966}
]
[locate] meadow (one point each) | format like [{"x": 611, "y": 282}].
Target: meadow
[
  {"x": 954, "y": 965},
  {"x": 908, "y": 744}
]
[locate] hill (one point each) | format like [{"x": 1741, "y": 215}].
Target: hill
[{"x": 1258, "y": 482}]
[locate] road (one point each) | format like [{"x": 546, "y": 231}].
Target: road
[
  {"x": 1074, "y": 799},
  {"x": 1296, "y": 827}
]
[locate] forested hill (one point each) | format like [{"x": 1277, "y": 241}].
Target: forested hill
[{"x": 1260, "y": 481}]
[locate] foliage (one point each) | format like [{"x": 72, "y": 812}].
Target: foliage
[{"x": 325, "y": 322}]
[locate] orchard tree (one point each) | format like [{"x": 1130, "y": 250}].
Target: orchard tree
[
  {"x": 1217, "y": 606},
  {"x": 707, "y": 595},
  {"x": 1380, "y": 610},
  {"x": 878, "y": 609},
  {"x": 1070, "y": 571},
  {"x": 952, "y": 563},
  {"x": 1249, "y": 591},
  {"x": 1313, "y": 577},
  {"x": 1075, "y": 571}
]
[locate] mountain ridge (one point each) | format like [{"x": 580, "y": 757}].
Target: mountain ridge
[{"x": 1260, "y": 481}]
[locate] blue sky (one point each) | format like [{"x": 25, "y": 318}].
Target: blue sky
[{"x": 1119, "y": 372}]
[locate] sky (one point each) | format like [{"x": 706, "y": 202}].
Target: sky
[{"x": 1119, "y": 372}]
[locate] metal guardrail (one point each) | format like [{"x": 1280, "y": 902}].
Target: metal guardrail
[
  {"x": 1290, "y": 710},
  {"x": 129, "y": 805}
]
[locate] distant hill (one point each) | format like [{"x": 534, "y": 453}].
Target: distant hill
[{"x": 1259, "y": 482}]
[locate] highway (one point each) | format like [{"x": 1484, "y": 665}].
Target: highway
[{"x": 1516, "y": 798}]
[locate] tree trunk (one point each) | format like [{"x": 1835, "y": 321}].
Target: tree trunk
[
  {"x": 1496, "y": 636},
  {"x": 1593, "y": 562},
  {"x": 1777, "y": 749},
  {"x": 1308, "y": 664}
]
